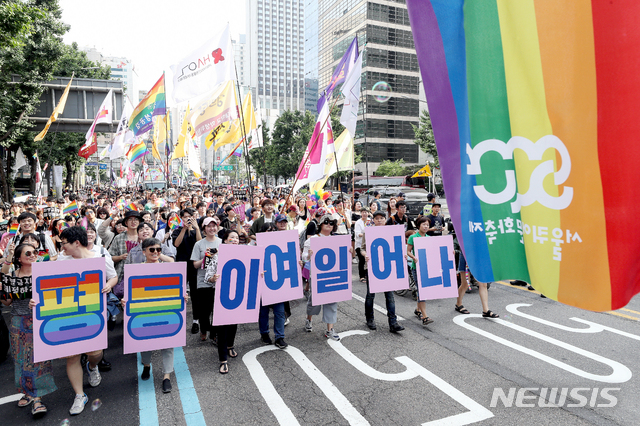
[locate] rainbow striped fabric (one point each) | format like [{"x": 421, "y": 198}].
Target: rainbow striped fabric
[
  {"x": 13, "y": 229},
  {"x": 534, "y": 110},
  {"x": 132, "y": 207},
  {"x": 152, "y": 104},
  {"x": 137, "y": 151},
  {"x": 72, "y": 207},
  {"x": 175, "y": 222}
]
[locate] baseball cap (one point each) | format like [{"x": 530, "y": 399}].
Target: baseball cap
[
  {"x": 431, "y": 196},
  {"x": 281, "y": 218},
  {"x": 379, "y": 213},
  {"x": 400, "y": 194},
  {"x": 208, "y": 220}
]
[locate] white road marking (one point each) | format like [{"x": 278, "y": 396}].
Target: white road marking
[
  {"x": 593, "y": 327},
  {"x": 276, "y": 404},
  {"x": 11, "y": 398},
  {"x": 476, "y": 411},
  {"x": 620, "y": 372}
]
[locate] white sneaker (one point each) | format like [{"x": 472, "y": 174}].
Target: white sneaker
[
  {"x": 331, "y": 334},
  {"x": 307, "y": 326},
  {"x": 355, "y": 260},
  {"x": 78, "y": 404},
  {"x": 286, "y": 322},
  {"x": 94, "y": 375}
]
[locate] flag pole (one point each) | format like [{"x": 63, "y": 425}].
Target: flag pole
[
  {"x": 244, "y": 135},
  {"x": 166, "y": 132},
  {"x": 304, "y": 160}
]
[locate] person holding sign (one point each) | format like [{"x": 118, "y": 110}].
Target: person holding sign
[
  {"x": 152, "y": 249},
  {"x": 379, "y": 219},
  {"x": 328, "y": 226},
  {"x": 226, "y": 333},
  {"x": 34, "y": 380},
  {"x": 359, "y": 228},
  {"x": 423, "y": 225},
  {"x": 74, "y": 243}
]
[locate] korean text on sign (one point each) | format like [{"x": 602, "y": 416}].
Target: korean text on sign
[
  {"x": 330, "y": 269},
  {"x": 237, "y": 296},
  {"x": 436, "y": 267},
  {"x": 387, "y": 258},
  {"x": 70, "y": 312},
  {"x": 155, "y": 309},
  {"x": 282, "y": 274}
]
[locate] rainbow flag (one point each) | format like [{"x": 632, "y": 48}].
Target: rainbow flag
[
  {"x": 72, "y": 207},
  {"x": 44, "y": 254},
  {"x": 13, "y": 229},
  {"x": 175, "y": 222},
  {"x": 151, "y": 105},
  {"x": 136, "y": 151},
  {"x": 132, "y": 207},
  {"x": 533, "y": 106}
]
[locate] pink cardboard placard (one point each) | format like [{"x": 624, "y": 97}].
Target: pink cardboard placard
[
  {"x": 282, "y": 272},
  {"x": 331, "y": 264},
  {"x": 436, "y": 267},
  {"x": 70, "y": 313},
  {"x": 387, "y": 263},
  {"x": 155, "y": 313},
  {"x": 237, "y": 298}
]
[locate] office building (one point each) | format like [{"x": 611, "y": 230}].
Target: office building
[
  {"x": 121, "y": 69},
  {"x": 390, "y": 101},
  {"x": 276, "y": 54},
  {"x": 240, "y": 57}
]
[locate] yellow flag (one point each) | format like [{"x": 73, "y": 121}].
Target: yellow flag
[
  {"x": 234, "y": 133},
  {"x": 344, "y": 151},
  {"x": 56, "y": 111},
  {"x": 218, "y": 108},
  {"x": 185, "y": 135},
  {"x": 159, "y": 134},
  {"x": 423, "y": 172}
]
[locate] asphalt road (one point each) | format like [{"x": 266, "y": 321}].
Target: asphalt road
[{"x": 446, "y": 373}]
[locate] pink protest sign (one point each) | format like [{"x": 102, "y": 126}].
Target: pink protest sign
[
  {"x": 155, "y": 313},
  {"x": 70, "y": 313},
  {"x": 282, "y": 273},
  {"x": 436, "y": 267},
  {"x": 237, "y": 298},
  {"x": 331, "y": 263},
  {"x": 387, "y": 263}
]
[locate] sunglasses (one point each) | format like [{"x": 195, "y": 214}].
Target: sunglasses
[
  {"x": 329, "y": 222},
  {"x": 30, "y": 253},
  {"x": 154, "y": 249}
]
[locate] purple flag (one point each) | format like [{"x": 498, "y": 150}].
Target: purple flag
[{"x": 341, "y": 72}]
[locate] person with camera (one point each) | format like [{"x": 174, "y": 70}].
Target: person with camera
[
  {"x": 184, "y": 239},
  {"x": 202, "y": 254}
]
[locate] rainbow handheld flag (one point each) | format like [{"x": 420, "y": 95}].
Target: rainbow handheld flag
[
  {"x": 72, "y": 207},
  {"x": 136, "y": 151},
  {"x": 175, "y": 222},
  {"x": 132, "y": 207},
  {"x": 153, "y": 104},
  {"x": 533, "y": 105},
  {"x": 13, "y": 229}
]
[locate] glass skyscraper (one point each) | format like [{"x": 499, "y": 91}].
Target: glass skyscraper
[{"x": 389, "y": 61}]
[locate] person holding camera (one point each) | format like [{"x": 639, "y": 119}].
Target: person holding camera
[
  {"x": 184, "y": 239},
  {"x": 202, "y": 254}
]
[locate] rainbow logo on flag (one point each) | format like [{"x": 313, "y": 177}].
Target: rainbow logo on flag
[
  {"x": 533, "y": 110},
  {"x": 151, "y": 105},
  {"x": 175, "y": 222},
  {"x": 137, "y": 151},
  {"x": 13, "y": 229},
  {"x": 72, "y": 207}
]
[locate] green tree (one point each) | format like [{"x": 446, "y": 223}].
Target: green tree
[
  {"x": 290, "y": 137},
  {"x": 425, "y": 139},
  {"x": 391, "y": 168},
  {"x": 258, "y": 156}
]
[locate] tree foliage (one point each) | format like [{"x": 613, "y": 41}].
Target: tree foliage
[
  {"x": 425, "y": 139},
  {"x": 289, "y": 139}
]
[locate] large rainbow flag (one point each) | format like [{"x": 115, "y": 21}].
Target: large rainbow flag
[
  {"x": 151, "y": 105},
  {"x": 534, "y": 106},
  {"x": 136, "y": 151}
]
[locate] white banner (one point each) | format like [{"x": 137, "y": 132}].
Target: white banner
[{"x": 204, "y": 68}]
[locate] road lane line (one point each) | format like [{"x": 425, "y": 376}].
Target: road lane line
[
  {"x": 147, "y": 398},
  {"x": 276, "y": 404},
  {"x": 618, "y": 314},
  {"x": 11, "y": 398},
  {"x": 629, "y": 310},
  {"x": 376, "y": 306},
  {"x": 190, "y": 402},
  {"x": 620, "y": 374}
]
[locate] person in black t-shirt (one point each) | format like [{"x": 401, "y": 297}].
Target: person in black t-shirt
[
  {"x": 401, "y": 218},
  {"x": 436, "y": 220}
]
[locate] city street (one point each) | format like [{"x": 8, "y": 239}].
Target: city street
[{"x": 443, "y": 374}]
